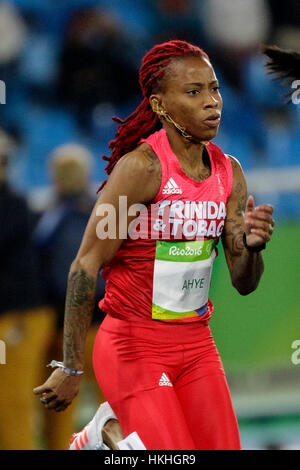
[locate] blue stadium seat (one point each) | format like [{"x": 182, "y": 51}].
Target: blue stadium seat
[
  {"x": 294, "y": 153},
  {"x": 260, "y": 87},
  {"x": 288, "y": 206},
  {"x": 48, "y": 15},
  {"x": 39, "y": 62},
  {"x": 98, "y": 150},
  {"x": 26, "y": 4},
  {"x": 283, "y": 148},
  {"x": 240, "y": 115},
  {"x": 272, "y": 198},
  {"x": 237, "y": 145},
  {"x": 38, "y": 5},
  {"x": 136, "y": 20},
  {"x": 45, "y": 129}
]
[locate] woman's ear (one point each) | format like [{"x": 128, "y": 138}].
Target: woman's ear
[{"x": 155, "y": 102}]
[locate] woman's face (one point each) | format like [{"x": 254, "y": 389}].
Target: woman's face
[{"x": 191, "y": 96}]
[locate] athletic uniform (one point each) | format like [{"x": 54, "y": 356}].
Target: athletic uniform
[{"x": 154, "y": 356}]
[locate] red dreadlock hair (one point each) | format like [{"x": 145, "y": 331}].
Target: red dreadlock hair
[{"x": 143, "y": 121}]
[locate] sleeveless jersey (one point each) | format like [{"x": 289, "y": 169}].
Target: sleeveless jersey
[{"x": 162, "y": 271}]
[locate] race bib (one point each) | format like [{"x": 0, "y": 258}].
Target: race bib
[{"x": 181, "y": 280}]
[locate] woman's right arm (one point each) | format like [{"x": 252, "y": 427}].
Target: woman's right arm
[{"x": 136, "y": 176}]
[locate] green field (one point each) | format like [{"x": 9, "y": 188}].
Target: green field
[{"x": 256, "y": 332}]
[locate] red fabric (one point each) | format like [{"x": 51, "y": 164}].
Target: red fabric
[
  {"x": 191, "y": 409},
  {"x": 130, "y": 274}
]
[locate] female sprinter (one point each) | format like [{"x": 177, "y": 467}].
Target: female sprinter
[{"x": 154, "y": 356}]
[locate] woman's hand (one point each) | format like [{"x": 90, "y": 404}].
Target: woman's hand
[
  {"x": 59, "y": 390},
  {"x": 259, "y": 223}
]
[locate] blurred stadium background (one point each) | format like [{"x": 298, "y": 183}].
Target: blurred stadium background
[{"x": 69, "y": 68}]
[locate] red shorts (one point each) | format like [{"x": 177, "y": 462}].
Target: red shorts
[{"x": 166, "y": 382}]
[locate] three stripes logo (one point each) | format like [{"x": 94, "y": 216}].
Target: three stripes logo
[
  {"x": 171, "y": 187},
  {"x": 164, "y": 380},
  {"x": 80, "y": 439}
]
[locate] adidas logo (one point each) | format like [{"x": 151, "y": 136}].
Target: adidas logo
[
  {"x": 164, "y": 380},
  {"x": 171, "y": 188}
]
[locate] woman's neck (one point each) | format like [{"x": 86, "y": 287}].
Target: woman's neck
[{"x": 187, "y": 152}]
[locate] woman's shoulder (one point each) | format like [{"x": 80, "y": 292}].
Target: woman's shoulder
[
  {"x": 141, "y": 162},
  {"x": 139, "y": 169}
]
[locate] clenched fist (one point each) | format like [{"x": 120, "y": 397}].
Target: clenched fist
[{"x": 59, "y": 390}]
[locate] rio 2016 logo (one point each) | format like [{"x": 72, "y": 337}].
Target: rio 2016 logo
[{"x": 2, "y": 352}]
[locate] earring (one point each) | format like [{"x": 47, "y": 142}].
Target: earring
[
  {"x": 156, "y": 108},
  {"x": 161, "y": 112}
]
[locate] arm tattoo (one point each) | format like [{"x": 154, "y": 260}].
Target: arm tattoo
[
  {"x": 152, "y": 160},
  {"x": 237, "y": 246},
  {"x": 245, "y": 268},
  {"x": 233, "y": 237},
  {"x": 241, "y": 205},
  {"x": 234, "y": 231},
  {"x": 238, "y": 188},
  {"x": 80, "y": 303},
  {"x": 154, "y": 167}
]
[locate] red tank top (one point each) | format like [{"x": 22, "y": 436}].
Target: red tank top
[{"x": 162, "y": 271}]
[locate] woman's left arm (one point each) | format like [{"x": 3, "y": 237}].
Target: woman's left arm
[{"x": 244, "y": 263}]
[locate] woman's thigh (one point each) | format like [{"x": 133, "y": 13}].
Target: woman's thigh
[
  {"x": 137, "y": 382},
  {"x": 207, "y": 407}
]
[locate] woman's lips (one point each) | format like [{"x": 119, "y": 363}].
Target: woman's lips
[{"x": 212, "y": 122}]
